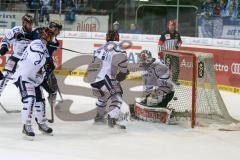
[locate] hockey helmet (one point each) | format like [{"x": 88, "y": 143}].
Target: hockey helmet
[
  {"x": 55, "y": 24},
  {"x": 46, "y": 34},
  {"x": 145, "y": 56},
  {"x": 112, "y": 35}
]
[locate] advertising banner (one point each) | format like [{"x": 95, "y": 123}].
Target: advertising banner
[
  {"x": 83, "y": 23},
  {"x": 226, "y": 65},
  {"x": 218, "y": 27},
  {"x": 10, "y": 19}
]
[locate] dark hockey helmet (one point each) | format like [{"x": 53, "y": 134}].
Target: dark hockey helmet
[
  {"x": 145, "y": 56},
  {"x": 46, "y": 34},
  {"x": 55, "y": 24},
  {"x": 112, "y": 35}
]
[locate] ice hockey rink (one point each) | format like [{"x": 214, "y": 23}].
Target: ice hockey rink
[{"x": 141, "y": 140}]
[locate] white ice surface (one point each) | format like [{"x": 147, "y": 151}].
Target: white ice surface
[{"x": 141, "y": 140}]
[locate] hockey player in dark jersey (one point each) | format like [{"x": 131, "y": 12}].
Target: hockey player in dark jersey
[
  {"x": 50, "y": 83},
  {"x": 171, "y": 40}
]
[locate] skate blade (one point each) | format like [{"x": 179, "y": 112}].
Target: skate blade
[
  {"x": 100, "y": 123},
  {"x": 46, "y": 134},
  {"x": 121, "y": 127},
  {"x": 117, "y": 126},
  {"x": 28, "y": 138}
]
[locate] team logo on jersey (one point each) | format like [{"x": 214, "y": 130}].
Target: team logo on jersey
[{"x": 167, "y": 36}]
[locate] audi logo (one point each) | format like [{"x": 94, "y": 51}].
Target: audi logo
[{"x": 235, "y": 68}]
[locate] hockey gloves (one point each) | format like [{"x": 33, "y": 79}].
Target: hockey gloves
[
  {"x": 1, "y": 75},
  {"x": 19, "y": 36},
  {"x": 3, "y": 49},
  {"x": 121, "y": 76},
  {"x": 49, "y": 66}
]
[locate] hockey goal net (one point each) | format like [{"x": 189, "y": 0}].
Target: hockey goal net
[{"x": 196, "y": 91}]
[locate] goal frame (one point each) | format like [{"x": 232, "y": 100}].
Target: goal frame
[{"x": 194, "y": 79}]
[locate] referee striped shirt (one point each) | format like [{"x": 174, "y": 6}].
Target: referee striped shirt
[{"x": 169, "y": 41}]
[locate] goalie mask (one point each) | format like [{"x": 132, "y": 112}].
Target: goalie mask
[{"x": 145, "y": 57}]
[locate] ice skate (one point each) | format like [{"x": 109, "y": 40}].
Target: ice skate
[
  {"x": 112, "y": 123},
  {"x": 99, "y": 120},
  {"x": 43, "y": 127},
  {"x": 28, "y": 132}
]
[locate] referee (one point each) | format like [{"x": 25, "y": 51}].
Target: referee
[{"x": 171, "y": 40}]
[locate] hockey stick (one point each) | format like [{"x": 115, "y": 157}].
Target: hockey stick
[
  {"x": 52, "y": 107},
  {"x": 67, "y": 49},
  {"x": 57, "y": 47},
  {"x": 9, "y": 111},
  {"x": 60, "y": 94},
  {"x": 52, "y": 114},
  {"x": 51, "y": 102}
]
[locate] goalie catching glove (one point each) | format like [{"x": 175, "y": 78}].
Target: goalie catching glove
[{"x": 121, "y": 76}]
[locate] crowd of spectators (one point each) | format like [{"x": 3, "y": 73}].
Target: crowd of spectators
[
  {"x": 222, "y": 8},
  {"x": 133, "y": 28},
  {"x": 68, "y": 7}
]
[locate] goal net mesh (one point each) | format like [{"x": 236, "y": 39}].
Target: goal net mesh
[{"x": 194, "y": 72}]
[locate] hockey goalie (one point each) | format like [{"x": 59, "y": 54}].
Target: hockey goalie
[{"x": 158, "y": 91}]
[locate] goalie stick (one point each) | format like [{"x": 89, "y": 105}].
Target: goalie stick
[{"x": 9, "y": 111}]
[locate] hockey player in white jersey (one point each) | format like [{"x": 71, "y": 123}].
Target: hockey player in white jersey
[
  {"x": 157, "y": 83},
  {"x": 158, "y": 91},
  {"x": 108, "y": 69},
  {"x": 14, "y": 37},
  {"x": 29, "y": 74}
]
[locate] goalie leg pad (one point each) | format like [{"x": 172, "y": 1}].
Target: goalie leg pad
[{"x": 162, "y": 115}]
